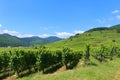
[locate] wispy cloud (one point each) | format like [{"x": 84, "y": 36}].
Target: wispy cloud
[
  {"x": 101, "y": 21},
  {"x": 10, "y": 32},
  {"x": 57, "y": 34},
  {"x": 108, "y": 19},
  {"x": 63, "y": 34},
  {"x": 0, "y": 25},
  {"x": 115, "y": 11},
  {"x": 78, "y": 31},
  {"x": 67, "y": 34},
  {"x": 118, "y": 17},
  {"x": 48, "y": 27},
  {"x": 109, "y": 25},
  {"x": 44, "y": 35},
  {"x": 26, "y": 35},
  {"x": 15, "y": 33}
]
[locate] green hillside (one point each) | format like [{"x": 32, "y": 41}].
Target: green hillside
[
  {"x": 31, "y": 41},
  {"x": 9, "y": 40},
  {"x": 52, "y": 39},
  {"x": 95, "y": 37}
]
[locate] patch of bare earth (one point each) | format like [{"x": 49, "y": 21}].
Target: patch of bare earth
[
  {"x": 117, "y": 76},
  {"x": 13, "y": 77}
]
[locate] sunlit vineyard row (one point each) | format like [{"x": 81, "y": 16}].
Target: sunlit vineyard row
[{"x": 42, "y": 59}]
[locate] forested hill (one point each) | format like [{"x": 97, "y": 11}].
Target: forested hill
[
  {"x": 9, "y": 40},
  {"x": 95, "y": 37},
  {"x": 115, "y": 27}
]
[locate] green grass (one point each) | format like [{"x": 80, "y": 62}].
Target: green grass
[
  {"x": 105, "y": 71},
  {"x": 95, "y": 39}
]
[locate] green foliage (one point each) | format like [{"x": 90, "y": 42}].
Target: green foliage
[
  {"x": 41, "y": 58},
  {"x": 104, "y": 53},
  {"x": 100, "y": 55},
  {"x": 4, "y": 60},
  {"x": 87, "y": 55},
  {"x": 18, "y": 60},
  {"x": 70, "y": 57}
]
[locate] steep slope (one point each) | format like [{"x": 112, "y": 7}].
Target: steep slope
[{"x": 95, "y": 37}]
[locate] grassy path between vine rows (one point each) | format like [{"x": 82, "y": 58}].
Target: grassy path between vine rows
[{"x": 106, "y": 71}]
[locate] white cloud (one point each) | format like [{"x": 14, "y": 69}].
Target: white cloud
[
  {"x": 78, "y": 31},
  {"x": 57, "y": 34},
  {"x": 118, "y": 16},
  {"x": 109, "y": 25},
  {"x": 0, "y": 25},
  {"x": 115, "y": 11},
  {"x": 44, "y": 35},
  {"x": 63, "y": 34},
  {"x": 66, "y": 34},
  {"x": 25, "y": 35},
  {"x": 15, "y": 33},
  {"x": 10, "y": 32}
]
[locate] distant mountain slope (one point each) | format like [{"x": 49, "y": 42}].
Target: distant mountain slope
[
  {"x": 8, "y": 40},
  {"x": 115, "y": 27},
  {"x": 33, "y": 41},
  {"x": 52, "y": 39},
  {"x": 95, "y": 37},
  {"x": 98, "y": 29}
]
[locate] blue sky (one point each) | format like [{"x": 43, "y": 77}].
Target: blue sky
[{"x": 62, "y": 18}]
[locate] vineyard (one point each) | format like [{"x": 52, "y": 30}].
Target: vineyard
[
  {"x": 17, "y": 60},
  {"x": 21, "y": 61}
]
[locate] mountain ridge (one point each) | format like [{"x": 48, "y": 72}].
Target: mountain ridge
[
  {"x": 95, "y": 36},
  {"x": 9, "y": 40}
]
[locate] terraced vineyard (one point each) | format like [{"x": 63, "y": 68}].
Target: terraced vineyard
[{"x": 93, "y": 55}]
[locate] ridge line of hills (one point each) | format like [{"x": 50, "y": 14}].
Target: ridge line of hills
[
  {"x": 99, "y": 35},
  {"x": 9, "y": 40},
  {"x": 107, "y": 36}
]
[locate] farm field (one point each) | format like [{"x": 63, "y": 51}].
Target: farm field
[
  {"x": 59, "y": 39},
  {"x": 86, "y": 56}
]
